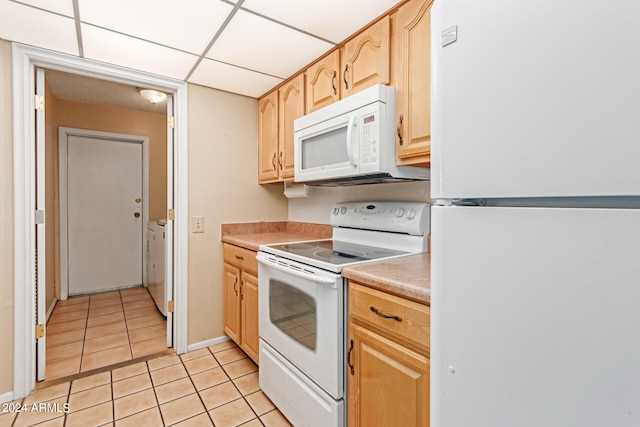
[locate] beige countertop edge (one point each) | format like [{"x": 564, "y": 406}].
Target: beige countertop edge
[{"x": 408, "y": 276}]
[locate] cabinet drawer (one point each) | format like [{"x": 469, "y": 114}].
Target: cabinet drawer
[
  {"x": 408, "y": 320},
  {"x": 240, "y": 257}
]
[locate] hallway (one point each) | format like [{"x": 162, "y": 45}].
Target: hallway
[{"x": 92, "y": 331}]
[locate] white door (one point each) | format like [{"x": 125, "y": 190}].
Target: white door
[
  {"x": 169, "y": 242},
  {"x": 104, "y": 213},
  {"x": 41, "y": 251},
  {"x": 535, "y": 316}
]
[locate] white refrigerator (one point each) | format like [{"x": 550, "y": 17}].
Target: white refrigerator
[{"x": 535, "y": 239}]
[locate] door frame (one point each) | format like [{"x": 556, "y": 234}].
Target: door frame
[
  {"x": 63, "y": 134},
  {"x": 24, "y": 61}
]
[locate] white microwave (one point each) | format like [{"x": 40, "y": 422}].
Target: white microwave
[{"x": 351, "y": 141}]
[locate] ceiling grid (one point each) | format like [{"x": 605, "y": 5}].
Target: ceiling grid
[{"x": 240, "y": 46}]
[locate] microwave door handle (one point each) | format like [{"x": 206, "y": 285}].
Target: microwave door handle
[
  {"x": 308, "y": 276},
  {"x": 350, "y": 126}
]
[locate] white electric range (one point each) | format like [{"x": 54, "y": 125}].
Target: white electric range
[{"x": 302, "y": 304}]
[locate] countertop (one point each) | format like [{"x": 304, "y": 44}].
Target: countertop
[{"x": 407, "y": 276}]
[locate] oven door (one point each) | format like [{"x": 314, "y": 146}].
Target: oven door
[{"x": 301, "y": 316}]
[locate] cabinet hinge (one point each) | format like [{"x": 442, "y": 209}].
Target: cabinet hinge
[
  {"x": 171, "y": 122},
  {"x": 170, "y": 306},
  {"x": 39, "y": 216},
  {"x": 39, "y": 331},
  {"x": 38, "y": 101},
  {"x": 171, "y": 214}
]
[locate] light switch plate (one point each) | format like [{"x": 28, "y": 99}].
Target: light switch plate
[{"x": 197, "y": 224}]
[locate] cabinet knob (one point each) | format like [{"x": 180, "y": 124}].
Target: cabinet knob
[
  {"x": 344, "y": 76},
  {"x": 137, "y": 214},
  {"x": 386, "y": 316},
  {"x": 398, "y": 128},
  {"x": 351, "y": 368},
  {"x": 333, "y": 82}
]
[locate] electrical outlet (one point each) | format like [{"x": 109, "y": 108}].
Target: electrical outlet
[{"x": 197, "y": 224}]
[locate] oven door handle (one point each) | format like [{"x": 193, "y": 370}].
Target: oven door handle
[{"x": 308, "y": 276}]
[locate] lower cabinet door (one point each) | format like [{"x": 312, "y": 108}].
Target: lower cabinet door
[
  {"x": 249, "y": 305},
  {"x": 389, "y": 385},
  {"x": 232, "y": 302}
]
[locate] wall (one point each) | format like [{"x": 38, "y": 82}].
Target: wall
[
  {"x": 223, "y": 187},
  {"x": 317, "y": 207},
  {"x": 6, "y": 220}
]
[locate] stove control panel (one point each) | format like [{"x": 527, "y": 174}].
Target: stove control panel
[{"x": 400, "y": 217}]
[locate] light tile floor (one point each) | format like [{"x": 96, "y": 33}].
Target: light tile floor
[
  {"x": 93, "y": 331},
  {"x": 214, "y": 386}
]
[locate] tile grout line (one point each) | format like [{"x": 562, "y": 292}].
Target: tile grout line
[{"x": 153, "y": 387}]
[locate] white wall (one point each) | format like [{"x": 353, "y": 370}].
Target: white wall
[{"x": 317, "y": 206}]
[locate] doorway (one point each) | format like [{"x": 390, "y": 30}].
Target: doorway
[{"x": 27, "y": 282}]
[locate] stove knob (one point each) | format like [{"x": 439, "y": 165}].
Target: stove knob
[
  {"x": 343, "y": 210},
  {"x": 336, "y": 211},
  {"x": 399, "y": 212},
  {"x": 411, "y": 214}
]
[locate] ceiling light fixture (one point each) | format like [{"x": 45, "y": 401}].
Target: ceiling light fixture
[{"x": 152, "y": 95}]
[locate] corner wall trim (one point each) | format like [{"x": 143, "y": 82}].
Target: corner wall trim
[
  {"x": 6, "y": 397},
  {"x": 51, "y": 307},
  {"x": 207, "y": 343}
]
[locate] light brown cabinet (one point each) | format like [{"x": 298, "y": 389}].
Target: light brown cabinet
[
  {"x": 362, "y": 62},
  {"x": 276, "y": 112},
  {"x": 323, "y": 84},
  {"x": 241, "y": 298},
  {"x": 413, "y": 91},
  {"x": 366, "y": 58},
  {"x": 268, "y": 138},
  {"x": 388, "y": 358}
]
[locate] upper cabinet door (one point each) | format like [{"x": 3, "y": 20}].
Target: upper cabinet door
[
  {"x": 291, "y": 106},
  {"x": 366, "y": 58},
  {"x": 323, "y": 82},
  {"x": 268, "y": 137},
  {"x": 413, "y": 89}
]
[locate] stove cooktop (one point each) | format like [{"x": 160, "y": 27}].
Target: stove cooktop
[{"x": 334, "y": 252}]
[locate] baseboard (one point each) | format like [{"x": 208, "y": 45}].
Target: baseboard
[
  {"x": 51, "y": 307},
  {"x": 6, "y": 397},
  {"x": 207, "y": 343}
]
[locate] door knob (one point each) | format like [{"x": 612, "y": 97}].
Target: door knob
[{"x": 137, "y": 214}]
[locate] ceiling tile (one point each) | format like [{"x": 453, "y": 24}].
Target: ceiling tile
[
  {"x": 333, "y": 20},
  {"x": 188, "y": 25},
  {"x": 54, "y": 32},
  {"x": 232, "y": 79},
  {"x": 64, "y": 7},
  {"x": 265, "y": 46},
  {"x": 114, "y": 48}
]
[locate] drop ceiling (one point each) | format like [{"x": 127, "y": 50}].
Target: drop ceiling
[{"x": 244, "y": 46}]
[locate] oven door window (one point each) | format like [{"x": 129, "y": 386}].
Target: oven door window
[{"x": 293, "y": 312}]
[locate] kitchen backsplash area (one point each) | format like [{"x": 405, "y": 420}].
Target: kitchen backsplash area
[{"x": 317, "y": 206}]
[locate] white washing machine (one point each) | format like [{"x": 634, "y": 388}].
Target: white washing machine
[
  {"x": 158, "y": 286},
  {"x": 149, "y": 247}
]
